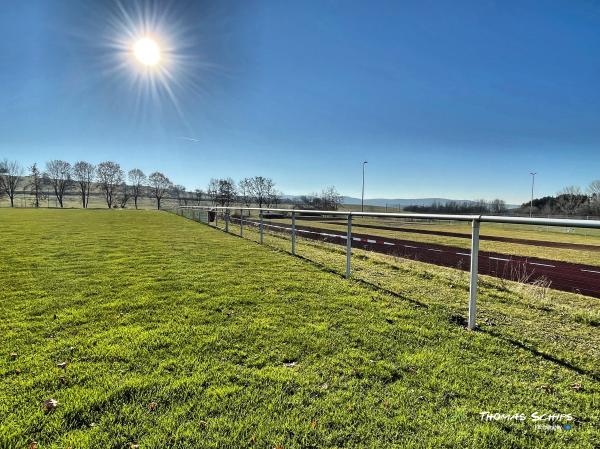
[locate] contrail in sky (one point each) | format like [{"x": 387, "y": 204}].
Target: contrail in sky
[{"x": 190, "y": 139}]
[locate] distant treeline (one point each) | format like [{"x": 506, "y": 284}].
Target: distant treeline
[
  {"x": 571, "y": 200},
  {"x": 496, "y": 206}
]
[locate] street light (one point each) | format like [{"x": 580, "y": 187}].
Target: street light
[
  {"x": 362, "y": 198},
  {"x": 532, "y": 184}
]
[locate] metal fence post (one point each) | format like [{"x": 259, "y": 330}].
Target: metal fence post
[
  {"x": 474, "y": 272},
  {"x": 216, "y": 218},
  {"x": 293, "y": 233},
  {"x": 261, "y": 227},
  {"x": 241, "y": 222},
  {"x": 348, "y": 246},
  {"x": 227, "y": 220}
]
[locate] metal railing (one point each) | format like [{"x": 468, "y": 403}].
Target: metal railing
[{"x": 475, "y": 221}]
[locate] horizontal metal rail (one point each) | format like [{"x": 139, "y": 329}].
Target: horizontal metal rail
[
  {"x": 475, "y": 220},
  {"x": 565, "y": 222}
]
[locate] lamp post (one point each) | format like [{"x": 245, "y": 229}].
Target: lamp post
[
  {"x": 532, "y": 184},
  {"x": 362, "y": 198}
]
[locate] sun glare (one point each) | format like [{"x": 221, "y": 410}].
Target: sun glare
[{"x": 147, "y": 51}]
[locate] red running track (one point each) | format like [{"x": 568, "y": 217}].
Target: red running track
[{"x": 565, "y": 276}]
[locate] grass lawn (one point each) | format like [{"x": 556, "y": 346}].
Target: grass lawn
[{"x": 177, "y": 335}]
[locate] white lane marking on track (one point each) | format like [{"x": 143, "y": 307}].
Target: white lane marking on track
[
  {"x": 409, "y": 246},
  {"x": 464, "y": 254},
  {"x": 388, "y": 243},
  {"x": 542, "y": 264},
  {"x": 436, "y": 250},
  {"x": 356, "y": 239},
  {"x": 500, "y": 258},
  {"x": 591, "y": 271},
  {"x": 371, "y": 241}
]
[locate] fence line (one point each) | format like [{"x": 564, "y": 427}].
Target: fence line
[{"x": 475, "y": 220}]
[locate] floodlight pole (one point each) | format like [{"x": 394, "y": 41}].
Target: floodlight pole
[
  {"x": 532, "y": 184},
  {"x": 362, "y": 197}
]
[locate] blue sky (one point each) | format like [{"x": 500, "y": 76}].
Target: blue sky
[{"x": 457, "y": 99}]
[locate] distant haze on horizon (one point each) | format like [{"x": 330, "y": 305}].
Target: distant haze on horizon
[{"x": 443, "y": 99}]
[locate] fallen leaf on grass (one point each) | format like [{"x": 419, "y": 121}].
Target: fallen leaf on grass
[
  {"x": 577, "y": 387},
  {"x": 49, "y": 405},
  {"x": 290, "y": 364},
  {"x": 33, "y": 445},
  {"x": 62, "y": 365},
  {"x": 152, "y": 406},
  {"x": 13, "y": 356}
]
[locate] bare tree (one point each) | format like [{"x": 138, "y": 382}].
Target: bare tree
[
  {"x": 137, "y": 179},
  {"x": 275, "y": 198},
  {"x": 59, "y": 174},
  {"x": 83, "y": 174},
  {"x": 261, "y": 189},
  {"x": 10, "y": 176},
  {"x": 570, "y": 199},
  {"x": 36, "y": 185},
  {"x": 331, "y": 199},
  {"x": 226, "y": 192},
  {"x": 179, "y": 192},
  {"x": 497, "y": 206},
  {"x": 160, "y": 185},
  {"x": 245, "y": 191},
  {"x": 110, "y": 177},
  {"x": 123, "y": 195},
  {"x": 199, "y": 193},
  {"x": 212, "y": 190},
  {"x": 593, "y": 191}
]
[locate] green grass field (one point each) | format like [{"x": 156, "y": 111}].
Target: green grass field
[{"x": 178, "y": 335}]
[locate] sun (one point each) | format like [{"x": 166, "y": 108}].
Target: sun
[{"x": 147, "y": 51}]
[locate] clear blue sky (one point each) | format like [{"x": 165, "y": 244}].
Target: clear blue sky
[{"x": 456, "y": 99}]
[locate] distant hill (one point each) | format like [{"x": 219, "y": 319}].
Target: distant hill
[
  {"x": 394, "y": 202},
  {"x": 402, "y": 202}
]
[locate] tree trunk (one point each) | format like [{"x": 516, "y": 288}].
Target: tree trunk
[{"x": 158, "y": 203}]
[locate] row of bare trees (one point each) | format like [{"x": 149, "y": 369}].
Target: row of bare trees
[
  {"x": 328, "y": 199},
  {"x": 261, "y": 191},
  {"x": 108, "y": 179},
  {"x": 61, "y": 176},
  {"x": 257, "y": 190}
]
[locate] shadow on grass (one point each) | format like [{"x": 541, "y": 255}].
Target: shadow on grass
[
  {"x": 455, "y": 319},
  {"x": 528, "y": 347}
]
